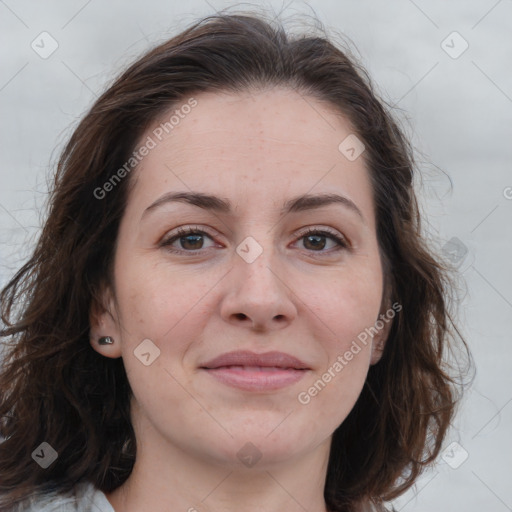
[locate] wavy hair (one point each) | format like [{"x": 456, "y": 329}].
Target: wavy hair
[{"x": 55, "y": 388}]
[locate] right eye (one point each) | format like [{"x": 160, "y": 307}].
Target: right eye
[{"x": 191, "y": 239}]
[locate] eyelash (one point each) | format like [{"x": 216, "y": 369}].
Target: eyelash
[{"x": 181, "y": 232}]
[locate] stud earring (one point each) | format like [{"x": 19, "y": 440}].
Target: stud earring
[{"x": 106, "y": 340}]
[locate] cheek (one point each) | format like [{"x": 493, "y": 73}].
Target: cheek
[
  {"x": 347, "y": 308},
  {"x": 347, "y": 304},
  {"x": 330, "y": 395},
  {"x": 155, "y": 301}
]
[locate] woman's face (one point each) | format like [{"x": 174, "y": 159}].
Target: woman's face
[{"x": 247, "y": 278}]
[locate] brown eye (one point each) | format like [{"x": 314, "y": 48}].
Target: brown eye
[
  {"x": 192, "y": 242},
  {"x": 316, "y": 240},
  {"x": 189, "y": 240}
]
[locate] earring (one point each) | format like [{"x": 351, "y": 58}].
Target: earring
[{"x": 106, "y": 340}]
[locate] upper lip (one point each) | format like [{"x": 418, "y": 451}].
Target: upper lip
[{"x": 247, "y": 358}]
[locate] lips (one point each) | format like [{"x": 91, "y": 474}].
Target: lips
[
  {"x": 256, "y": 372},
  {"x": 247, "y": 359}
]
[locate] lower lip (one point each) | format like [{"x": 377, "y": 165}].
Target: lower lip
[{"x": 256, "y": 380}]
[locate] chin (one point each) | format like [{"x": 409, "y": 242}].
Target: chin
[{"x": 261, "y": 448}]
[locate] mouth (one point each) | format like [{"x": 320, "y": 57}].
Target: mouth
[
  {"x": 256, "y": 378},
  {"x": 269, "y": 369},
  {"x": 256, "y": 372}
]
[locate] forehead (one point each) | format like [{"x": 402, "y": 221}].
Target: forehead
[
  {"x": 277, "y": 119},
  {"x": 268, "y": 144}
]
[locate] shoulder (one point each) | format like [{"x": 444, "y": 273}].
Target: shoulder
[{"x": 83, "y": 498}]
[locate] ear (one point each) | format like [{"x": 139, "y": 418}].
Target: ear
[
  {"x": 383, "y": 323},
  {"x": 104, "y": 321},
  {"x": 383, "y": 326}
]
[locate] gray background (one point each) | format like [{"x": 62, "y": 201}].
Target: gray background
[{"x": 456, "y": 108}]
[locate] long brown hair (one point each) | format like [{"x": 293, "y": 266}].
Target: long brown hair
[{"x": 55, "y": 388}]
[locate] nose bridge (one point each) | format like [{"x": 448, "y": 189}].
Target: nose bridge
[{"x": 256, "y": 259}]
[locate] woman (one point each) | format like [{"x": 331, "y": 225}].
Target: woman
[{"x": 231, "y": 305}]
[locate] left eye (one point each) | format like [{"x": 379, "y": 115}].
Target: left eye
[
  {"x": 316, "y": 238},
  {"x": 192, "y": 239}
]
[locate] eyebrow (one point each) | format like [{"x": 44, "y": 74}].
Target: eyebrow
[{"x": 216, "y": 204}]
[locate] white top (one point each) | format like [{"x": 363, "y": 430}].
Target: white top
[{"x": 84, "y": 498}]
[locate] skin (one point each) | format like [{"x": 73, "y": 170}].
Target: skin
[{"x": 258, "y": 150}]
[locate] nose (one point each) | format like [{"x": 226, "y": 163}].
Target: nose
[{"x": 258, "y": 295}]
